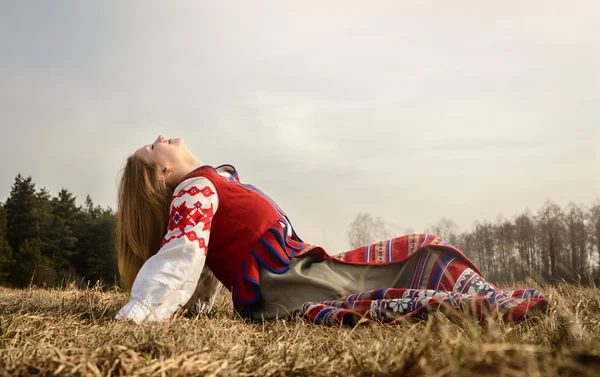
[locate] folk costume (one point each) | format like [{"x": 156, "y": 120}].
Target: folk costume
[{"x": 233, "y": 229}]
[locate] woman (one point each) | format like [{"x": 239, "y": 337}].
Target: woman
[{"x": 180, "y": 220}]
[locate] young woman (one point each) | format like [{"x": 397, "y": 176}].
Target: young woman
[{"x": 184, "y": 227}]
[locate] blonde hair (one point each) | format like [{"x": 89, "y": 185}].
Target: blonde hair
[{"x": 142, "y": 217}]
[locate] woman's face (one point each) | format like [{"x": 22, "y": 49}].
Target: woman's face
[{"x": 165, "y": 154}]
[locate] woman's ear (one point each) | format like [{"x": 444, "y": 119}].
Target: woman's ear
[{"x": 165, "y": 173}]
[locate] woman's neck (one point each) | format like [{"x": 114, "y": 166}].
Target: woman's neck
[{"x": 186, "y": 168}]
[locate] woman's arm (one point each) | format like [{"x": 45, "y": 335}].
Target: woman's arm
[
  {"x": 168, "y": 279},
  {"x": 206, "y": 293}
]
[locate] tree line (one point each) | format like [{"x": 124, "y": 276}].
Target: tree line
[
  {"x": 551, "y": 244},
  {"x": 50, "y": 241}
]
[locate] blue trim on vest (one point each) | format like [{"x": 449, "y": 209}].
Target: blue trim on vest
[
  {"x": 257, "y": 283},
  {"x": 256, "y": 294},
  {"x": 294, "y": 236},
  {"x": 265, "y": 265},
  {"x": 198, "y": 168},
  {"x": 293, "y": 248},
  {"x": 276, "y": 206},
  {"x": 234, "y": 174},
  {"x": 272, "y": 249},
  {"x": 282, "y": 242},
  {"x": 266, "y": 197},
  {"x": 233, "y": 177}
]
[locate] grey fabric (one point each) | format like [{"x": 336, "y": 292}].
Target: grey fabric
[{"x": 311, "y": 279}]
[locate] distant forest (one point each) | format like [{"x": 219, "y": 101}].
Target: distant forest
[
  {"x": 552, "y": 244},
  {"x": 52, "y": 241}
]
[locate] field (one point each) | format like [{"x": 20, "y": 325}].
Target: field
[{"x": 70, "y": 332}]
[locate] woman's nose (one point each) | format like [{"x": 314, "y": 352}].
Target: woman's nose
[{"x": 160, "y": 139}]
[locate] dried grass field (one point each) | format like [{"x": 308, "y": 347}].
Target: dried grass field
[{"x": 71, "y": 332}]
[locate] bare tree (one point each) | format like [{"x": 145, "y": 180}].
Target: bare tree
[
  {"x": 594, "y": 231},
  {"x": 366, "y": 230},
  {"x": 577, "y": 239},
  {"x": 445, "y": 228},
  {"x": 484, "y": 248},
  {"x": 551, "y": 223},
  {"x": 466, "y": 243},
  {"x": 505, "y": 244},
  {"x": 525, "y": 233},
  {"x": 555, "y": 243}
]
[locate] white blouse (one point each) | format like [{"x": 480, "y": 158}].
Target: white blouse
[{"x": 168, "y": 280}]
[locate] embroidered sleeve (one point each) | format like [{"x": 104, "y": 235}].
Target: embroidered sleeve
[{"x": 169, "y": 278}]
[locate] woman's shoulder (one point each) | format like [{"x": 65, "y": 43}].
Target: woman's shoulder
[
  {"x": 195, "y": 190},
  {"x": 206, "y": 176},
  {"x": 193, "y": 185},
  {"x": 226, "y": 170}
]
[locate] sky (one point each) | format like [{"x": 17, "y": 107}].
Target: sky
[{"x": 411, "y": 111}]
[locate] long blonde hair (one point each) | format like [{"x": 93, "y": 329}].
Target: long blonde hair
[{"x": 142, "y": 217}]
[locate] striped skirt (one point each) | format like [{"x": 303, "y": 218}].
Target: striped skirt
[{"x": 329, "y": 291}]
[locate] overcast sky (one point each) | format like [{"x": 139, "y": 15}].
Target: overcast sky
[{"x": 409, "y": 110}]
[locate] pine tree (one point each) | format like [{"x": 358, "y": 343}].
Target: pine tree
[
  {"x": 102, "y": 257},
  {"x": 49, "y": 236},
  {"x": 97, "y": 257},
  {"x": 19, "y": 208},
  {"x": 65, "y": 223},
  {"x": 28, "y": 260},
  {"x": 20, "y": 224},
  {"x": 108, "y": 227},
  {"x": 6, "y": 260}
]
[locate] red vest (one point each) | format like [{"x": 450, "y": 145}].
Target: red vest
[{"x": 249, "y": 230}]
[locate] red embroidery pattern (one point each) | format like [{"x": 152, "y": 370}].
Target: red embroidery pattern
[
  {"x": 192, "y": 236},
  {"x": 207, "y": 191},
  {"x": 193, "y": 191},
  {"x": 184, "y": 216}
]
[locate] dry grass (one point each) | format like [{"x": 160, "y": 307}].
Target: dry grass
[{"x": 72, "y": 333}]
